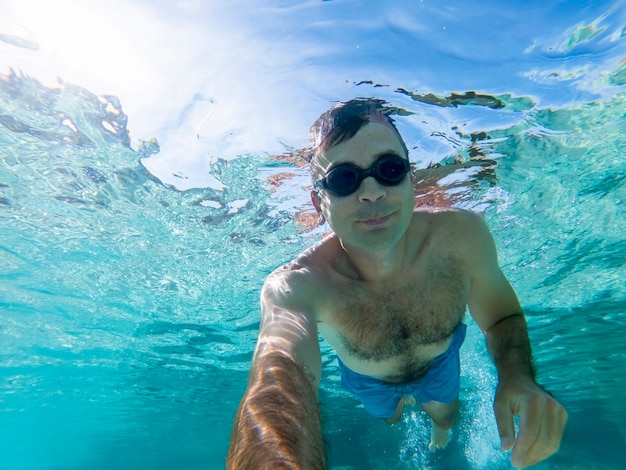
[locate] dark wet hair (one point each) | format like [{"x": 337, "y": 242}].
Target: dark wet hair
[{"x": 342, "y": 122}]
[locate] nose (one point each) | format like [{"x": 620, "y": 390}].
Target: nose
[{"x": 371, "y": 190}]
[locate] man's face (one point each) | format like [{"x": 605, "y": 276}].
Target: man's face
[{"x": 375, "y": 216}]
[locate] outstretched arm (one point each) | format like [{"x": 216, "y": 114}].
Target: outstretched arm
[
  {"x": 277, "y": 425},
  {"x": 497, "y": 311}
]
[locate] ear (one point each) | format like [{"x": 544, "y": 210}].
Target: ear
[
  {"x": 316, "y": 202},
  {"x": 315, "y": 199}
]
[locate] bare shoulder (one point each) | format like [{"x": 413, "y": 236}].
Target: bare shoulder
[
  {"x": 299, "y": 283},
  {"x": 464, "y": 230},
  {"x": 289, "y": 316},
  {"x": 459, "y": 223}
]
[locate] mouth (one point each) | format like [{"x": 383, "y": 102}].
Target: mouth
[{"x": 376, "y": 221}]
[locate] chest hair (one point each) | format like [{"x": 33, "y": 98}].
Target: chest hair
[{"x": 396, "y": 320}]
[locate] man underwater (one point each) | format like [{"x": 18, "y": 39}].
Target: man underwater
[{"x": 388, "y": 290}]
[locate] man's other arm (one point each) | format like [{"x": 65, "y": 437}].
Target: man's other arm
[
  {"x": 497, "y": 312},
  {"x": 277, "y": 424}
]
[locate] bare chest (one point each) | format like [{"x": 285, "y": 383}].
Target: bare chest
[{"x": 396, "y": 330}]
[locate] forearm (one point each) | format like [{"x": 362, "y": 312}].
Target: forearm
[
  {"x": 277, "y": 425},
  {"x": 509, "y": 347}
]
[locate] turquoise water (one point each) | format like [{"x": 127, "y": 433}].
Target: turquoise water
[{"x": 130, "y": 267}]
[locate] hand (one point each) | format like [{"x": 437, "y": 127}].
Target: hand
[{"x": 541, "y": 421}]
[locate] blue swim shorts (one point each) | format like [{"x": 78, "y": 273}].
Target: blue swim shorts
[{"x": 440, "y": 383}]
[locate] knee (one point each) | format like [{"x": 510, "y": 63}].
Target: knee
[
  {"x": 444, "y": 415},
  {"x": 446, "y": 421}
]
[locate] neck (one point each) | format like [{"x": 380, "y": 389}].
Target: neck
[{"x": 377, "y": 265}]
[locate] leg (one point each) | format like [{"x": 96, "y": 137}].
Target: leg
[
  {"x": 443, "y": 417},
  {"x": 400, "y": 408},
  {"x": 439, "y": 394}
]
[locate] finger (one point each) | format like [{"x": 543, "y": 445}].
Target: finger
[
  {"x": 550, "y": 433},
  {"x": 557, "y": 423},
  {"x": 531, "y": 418},
  {"x": 506, "y": 427}
]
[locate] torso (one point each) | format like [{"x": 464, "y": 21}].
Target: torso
[{"x": 393, "y": 330}]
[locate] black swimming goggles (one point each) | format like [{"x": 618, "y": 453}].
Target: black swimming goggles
[{"x": 345, "y": 178}]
